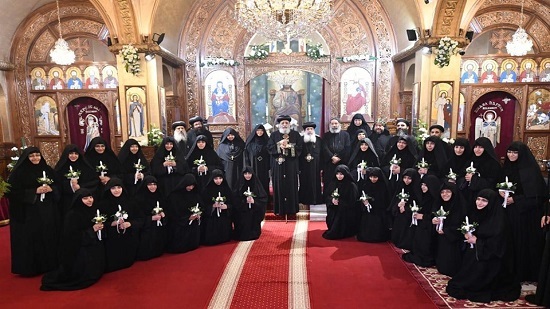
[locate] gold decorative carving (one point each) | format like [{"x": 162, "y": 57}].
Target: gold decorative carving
[
  {"x": 499, "y": 39},
  {"x": 50, "y": 151},
  {"x": 41, "y": 49},
  {"x": 447, "y": 20},
  {"x": 126, "y": 14},
  {"x": 22, "y": 48},
  {"x": 353, "y": 39},
  {"x": 222, "y": 33},
  {"x": 497, "y": 17},
  {"x": 540, "y": 33},
  {"x": 539, "y": 148},
  {"x": 517, "y": 92},
  {"x": 529, "y": 5}
]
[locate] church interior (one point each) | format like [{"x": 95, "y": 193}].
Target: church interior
[{"x": 140, "y": 65}]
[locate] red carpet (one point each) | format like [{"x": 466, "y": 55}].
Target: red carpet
[
  {"x": 351, "y": 274},
  {"x": 264, "y": 278},
  {"x": 185, "y": 280}
]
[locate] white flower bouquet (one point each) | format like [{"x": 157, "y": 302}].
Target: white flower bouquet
[
  {"x": 99, "y": 218},
  {"x": 508, "y": 188},
  {"x": 441, "y": 214},
  {"x": 446, "y": 48},
  {"x": 44, "y": 181},
  {"x": 130, "y": 58},
  {"x": 468, "y": 228}
]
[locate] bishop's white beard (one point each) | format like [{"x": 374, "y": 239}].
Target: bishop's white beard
[
  {"x": 284, "y": 131},
  {"x": 180, "y": 136},
  {"x": 310, "y": 138},
  {"x": 337, "y": 130}
]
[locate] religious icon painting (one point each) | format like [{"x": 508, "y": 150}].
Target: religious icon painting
[
  {"x": 74, "y": 78},
  {"x": 508, "y": 72},
  {"x": 441, "y": 112},
  {"x": 287, "y": 90},
  {"x": 544, "y": 75},
  {"x": 528, "y": 73},
  {"x": 46, "y": 116},
  {"x": 469, "y": 72},
  {"x": 136, "y": 112},
  {"x": 538, "y": 110},
  {"x": 461, "y": 108},
  {"x": 489, "y": 71},
  {"x": 56, "y": 81},
  {"x": 356, "y": 93},
  {"x": 219, "y": 95},
  {"x": 91, "y": 78},
  {"x": 38, "y": 79},
  {"x": 110, "y": 77}
]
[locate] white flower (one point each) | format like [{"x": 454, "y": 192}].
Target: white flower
[
  {"x": 14, "y": 149},
  {"x": 15, "y": 158}
]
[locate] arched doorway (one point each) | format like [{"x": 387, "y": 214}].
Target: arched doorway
[
  {"x": 492, "y": 116},
  {"x": 87, "y": 118}
]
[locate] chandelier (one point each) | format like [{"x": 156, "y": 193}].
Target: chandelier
[
  {"x": 61, "y": 54},
  {"x": 285, "y": 77},
  {"x": 520, "y": 43},
  {"x": 281, "y": 20}
]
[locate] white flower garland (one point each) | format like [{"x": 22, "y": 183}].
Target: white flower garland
[
  {"x": 219, "y": 61},
  {"x": 130, "y": 57},
  {"x": 258, "y": 52},
  {"x": 444, "y": 51},
  {"x": 354, "y": 58}
]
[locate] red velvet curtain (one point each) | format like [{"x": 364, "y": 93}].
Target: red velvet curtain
[{"x": 88, "y": 118}]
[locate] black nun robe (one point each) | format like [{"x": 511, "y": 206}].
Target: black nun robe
[
  {"x": 120, "y": 244},
  {"x": 128, "y": 162},
  {"x": 257, "y": 156},
  {"x": 487, "y": 273},
  {"x": 184, "y": 231},
  {"x": 342, "y": 219},
  {"x": 34, "y": 224},
  {"x": 211, "y": 158},
  {"x": 373, "y": 226},
  {"x": 152, "y": 241},
  {"x": 82, "y": 259},
  {"x": 168, "y": 178},
  {"x": 248, "y": 218},
  {"x": 87, "y": 179},
  {"x": 217, "y": 225},
  {"x": 231, "y": 154},
  {"x": 402, "y": 231}
]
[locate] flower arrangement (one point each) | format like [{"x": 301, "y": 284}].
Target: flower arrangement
[
  {"x": 44, "y": 181},
  {"x": 17, "y": 152},
  {"x": 421, "y": 132},
  {"x": 130, "y": 58},
  {"x": 444, "y": 51},
  {"x": 362, "y": 165},
  {"x": 154, "y": 136},
  {"x": 195, "y": 211},
  {"x": 139, "y": 167},
  {"x": 335, "y": 195},
  {"x": 72, "y": 174},
  {"x": 218, "y": 200},
  {"x": 365, "y": 198},
  {"x": 314, "y": 51},
  {"x": 422, "y": 164},
  {"x": 448, "y": 140},
  {"x": 169, "y": 158},
  {"x": 120, "y": 216},
  {"x": 101, "y": 168},
  {"x": 394, "y": 161},
  {"x": 508, "y": 188},
  {"x": 467, "y": 228},
  {"x": 99, "y": 218},
  {"x": 452, "y": 175},
  {"x": 209, "y": 61},
  {"x": 258, "y": 52},
  {"x": 441, "y": 214},
  {"x": 415, "y": 209},
  {"x": 355, "y": 58},
  {"x": 158, "y": 211},
  {"x": 248, "y": 194},
  {"x": 471, "y": 169},
  {"x": 200, "y": 162},
  {"x": 403, "y": 196}
]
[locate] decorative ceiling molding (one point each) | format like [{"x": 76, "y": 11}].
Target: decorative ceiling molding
[
  {"x": 6, "y": 66},
  {"x": 447, "y": 17}
]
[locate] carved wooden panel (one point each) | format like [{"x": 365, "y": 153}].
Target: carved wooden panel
[
  {"x": 50, "y": 151},
  {"x": 539, "y": 148}
]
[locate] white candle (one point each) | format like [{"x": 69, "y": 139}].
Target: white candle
[
  {"x": 44, "y": 174},
  {"x": 170, "y": 153},
  {"x": 97, "y": 212},
  {"x": 101, "y": 163},
  {"x": 248, "y": 189},
  {"x": 139, "y": 161},
  {"x": 119, "y": 208},
  {"x": 441, "y": 209},
  {"x": 467, "y": 222},
  {"x": 451, "y": 170},
  {"x": 219, "y": 194},
  {"x": 472, "y": 164},
  {"x": 158, "y": 206},
  {"x": 506, "y": 179},
  {"x": 402, "y": 192},
  {"x": 71, "y": 168},
  {"x": 201, "y": 159}
]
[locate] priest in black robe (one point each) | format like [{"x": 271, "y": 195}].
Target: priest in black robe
[
  {"x": 380, "y": 137},
  {"x": 34, "y": 215},
  {"x": 197, "y": 128},
  {"x": 250, "y": 206},
  {"x": 336, "y": 149},
  {"x": 82, "y": 258},
  {"x": 180, "y": 135},
  {"x": 257, "y": 156},
  {"x": 285, "y": 147},
  {"x": 487, "y": 270},
  {"x": 231, "y": 153},
  {"x": 310, "y": 166}
]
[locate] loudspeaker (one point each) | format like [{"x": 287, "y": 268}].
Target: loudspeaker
[
  {"x": 470, "y": 35},
  {"x": 109, "y": 42},
  {"x": 411, "y": 35}
]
